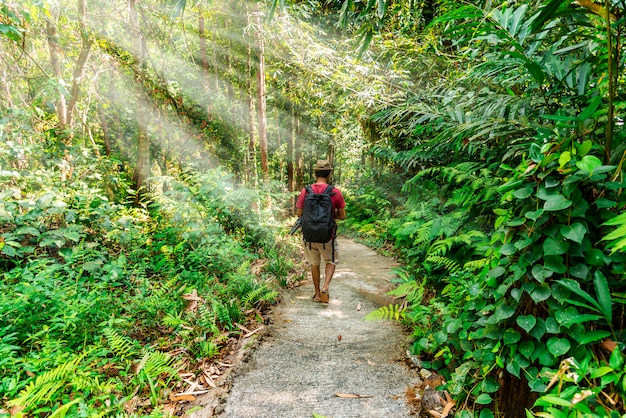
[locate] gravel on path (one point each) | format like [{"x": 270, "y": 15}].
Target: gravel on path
[{"x": 314, "y": 352}]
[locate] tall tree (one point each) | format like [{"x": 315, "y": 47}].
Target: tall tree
[
  {"x": 79, "y": 69},
  {"x": 142, "y": 166},
  {"x": 260, "y": 97},
  {"x": 54, "y": 50}
]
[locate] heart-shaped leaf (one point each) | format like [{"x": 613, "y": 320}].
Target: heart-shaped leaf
[
  {"x": 540, "y": 273},
  {"x": 576, "y": 232},
  {"x": 539, "y": 329},
  {"x": 589, "y": 163},
  {"x": 483, "y": 399},
  {"x": 511, "y": 336},
  {"x": 558, "y": 346},
  {"x": 526, "y": 322},
  {"x": 555, "y": 264},
  {"x": 553, "y": 246},
  {"x": 503, "y": 312},
  {"x": 580, "y": 271},
  {"x": 534, "y": 215},
  {"x": 541, "y": 293},
  {"x": 523, "y": 193},
  {"x": 527, "y": 348},
  {"x": 556, "y": 202}
]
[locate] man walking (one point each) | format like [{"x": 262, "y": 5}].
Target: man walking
[{"x": 318, "y": 201}]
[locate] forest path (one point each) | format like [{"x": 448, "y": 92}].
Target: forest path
[{"x": 314, "y": 351}]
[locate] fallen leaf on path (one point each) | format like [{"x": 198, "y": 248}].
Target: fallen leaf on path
[
  {"x": 209, "y": 379},
  {"x": 182, "y": 397},
  {"x": 352, "y": 395},
  {"x": 339, "y": 337},
  {"x": 358, "y": 307},
  {"x": 448, "y": 405},
  {"x": 225, "y": 364}
]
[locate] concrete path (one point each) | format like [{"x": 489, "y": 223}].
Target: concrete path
[{"x": 315, "y": 351}]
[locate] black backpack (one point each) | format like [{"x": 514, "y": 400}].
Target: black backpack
[{"x": 318, "y": 222}]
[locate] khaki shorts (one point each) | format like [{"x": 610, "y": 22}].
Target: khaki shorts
[{"x": 315, "y": 251}]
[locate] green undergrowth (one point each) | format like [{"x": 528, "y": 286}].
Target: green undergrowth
[
  {"x": 105, "y": 302},
  {"x": 513, "y": 281}
]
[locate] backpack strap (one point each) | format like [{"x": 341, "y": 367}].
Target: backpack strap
[
  {"x": 329, "y": 190},
  {"x": 308, "y": 189}
]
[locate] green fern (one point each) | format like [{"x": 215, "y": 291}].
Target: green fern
[
  {"x": 476, "y": 264},
  {"x": 205, "y": 318},
  {"x": 392, "y": 312},
  {"x": 223, "y": 314},
  {"x": 254, "y": 295},
  {"x": 442, "y": 246},
  {"x": 618, "y": 236},
  {"x": 260, "y": 294},
  {"x": 412, "y": 291},
  {"x": 47, "y": 386},
  {"x": 121, "y": 346},
  {"x": 156, "y": 363},
  {"x": 423, "y": 234},
  {"x": 450, "y": 265}
]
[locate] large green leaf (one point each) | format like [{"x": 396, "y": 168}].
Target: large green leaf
[
  {"x": 589, "y": 163},
  {"x": 576, "y": 232},
  {"x": 526, "y": 322},
  {"x": 556, "y": 203},
  {"x": 558, "y": 346},
  {"x": 554, "y": 247},
  {"x": 603, "y": 294}
]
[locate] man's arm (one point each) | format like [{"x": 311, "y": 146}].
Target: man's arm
[
  {"x": 340, "y": 213},
  {"x": 299, "y": 212}
]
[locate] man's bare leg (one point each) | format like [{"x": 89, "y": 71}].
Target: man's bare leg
[
  {"x": 330, "y": 270},
  {"x": 315, "y": 274}
]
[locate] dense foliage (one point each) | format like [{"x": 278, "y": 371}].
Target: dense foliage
[
  {"x": 483, "y": 143},
  {"x": 105, "y": 302},
  {"x": 515, "y": 276}
]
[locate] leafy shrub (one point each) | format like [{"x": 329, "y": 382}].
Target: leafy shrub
[{"x": 548, "y": 302}]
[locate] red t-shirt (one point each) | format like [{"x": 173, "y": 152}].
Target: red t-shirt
[{"x": 336, "y": 196}]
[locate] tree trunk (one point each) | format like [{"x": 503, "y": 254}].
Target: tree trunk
[
  {"x": 142, "y": 167},
  {"x": 251, "y": 160},
  {"x": 299, "y": 155},
  {"x": 291, "y": 184},
  {"x": 260, "y": 99},
  {"x": 203, "y": 55},
  {"x": 79, "y": 71},
  {"x": 55, "y": 63},
  {"x": 105, "y": 130},
  {"x": 515, "y": 396}
]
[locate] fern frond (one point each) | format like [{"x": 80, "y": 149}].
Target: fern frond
[
  {"x": 392, "y": 312},
  {"x": 120, "y": 345},
  {"x": 165, "y": 290},
  {"x": 450, "y": 265},
  {"x": 475, "y": 264},
  {"x": 155, "y": 363},
  {"x": 423, "y": 234},
  {"x": 222, "y": 314},
  {"x": 403, "y": 290},
  {"x": 254, "y": 295},
  {"x": 47, "y": 385},
  {"x": 413, "y": 291}
]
